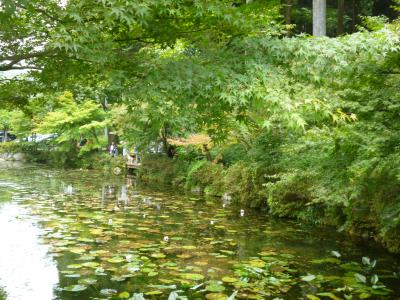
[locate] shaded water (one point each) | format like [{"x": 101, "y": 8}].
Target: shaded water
[{"x": 83, "y": 235}]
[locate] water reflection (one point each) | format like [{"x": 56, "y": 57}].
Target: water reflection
[
  {"x": 26, "y": 271},
  {"x": 109, "y": 234},
  {"x": 69, "y": 190}
]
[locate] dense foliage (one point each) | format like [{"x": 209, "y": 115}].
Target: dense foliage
[{"x": 306, "y": 127}]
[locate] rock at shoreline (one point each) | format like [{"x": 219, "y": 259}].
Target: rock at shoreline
[{"x": 12, "y": 156}]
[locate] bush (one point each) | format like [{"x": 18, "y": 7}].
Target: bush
[
  {"x": 164, "y": 170},
  {"x": 289, "y": 194},
  {"x": 231, "y": 154},
  {"x": 243, "y": 182},
  {"x": 207, "y": 176}
]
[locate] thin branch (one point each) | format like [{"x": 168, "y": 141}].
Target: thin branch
[
  {"x": 21, "y": 68},
  {"x": 19, "y": 57},
  {"x": 41, "y": 11}
]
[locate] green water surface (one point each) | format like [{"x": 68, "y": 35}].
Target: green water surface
[{"x": 77, "y": 234}]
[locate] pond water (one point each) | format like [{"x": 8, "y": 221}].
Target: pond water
[{"x": 70, "y": 234}]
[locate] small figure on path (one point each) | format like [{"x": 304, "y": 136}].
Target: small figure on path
[{"x": 113, "y": 149}]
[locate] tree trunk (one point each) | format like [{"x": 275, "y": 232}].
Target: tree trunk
[
  {"x": 340, "y": 20},
  {"x": 164, "y": 138},
  {"x": 319, "y": 17},
  {"x": 5, "y": 135},
  {"x": 300, "y": 4},
  {"x": 288, "y": 14},
  {"x": 207, "y": 152},
  {"x": 354, "y": 15}
]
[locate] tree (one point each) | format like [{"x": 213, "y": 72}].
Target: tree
[
  {"x": 72, "y": 121},
  {"x": 5, "y": 123},
  {"x": 340, "y": 18},
  {"x": 319, "y": 17}
]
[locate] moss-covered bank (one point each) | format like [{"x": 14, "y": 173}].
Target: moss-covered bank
[{"x": 287, "y": 195}]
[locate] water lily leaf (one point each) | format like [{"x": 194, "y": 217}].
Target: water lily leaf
[
  {"x": 364, "y": 296},
  {"x": 153, "y": 293},
  {"x": 215, "y": 287},
  {"x": 91, "y": 264},
  {"x": 158, "y": 255},
  {"x": 75, "y": 288},
  {"x": 85, "y": 240},
  {"x": 374, "y": 279},
  {"x": 257, "y": 263},
  {"x": 352, "y": 266},
  {"x": 74, "y": 266},
  {"x": 118, "y": 278},
  {"x": 189, "y": 247},
  {"x": 143, "y": 228},
  {"x": 329, "y": 295},
  {"x": 380, "y": 290},
  {"x": 227, "y": 252},
  {"x": 197, "y": 286},
  {"x": 184, "y": 256},
  {"x": 228, "y": 279},
  {"x": 192, "y": 276},
  {"x": 147, "y": 270},
  {"x": 216, "y": 296},
  {"x": 308, "y": 278},
  {"x": 77, "y": 250},
  {"x": 360, "y": 278},
  {"x": 108, "y": 292},
  {"x": 138, "y": 296},
  {"x": 365, "y": 260},
  {"x": 96, "y": 231},
  {"x": 233, "y": 295},
  {"x": 86, "y": 257},
  {"x": 123, "y": 295},
  {"x": 329, "y": 260},
  {"x": 74, "y": 275},
  {"x": 99, "y": 271},
  {"x": 87, "y": 281},
  {"x": 173, "y": 296},
  {"x": 116, "y": 259},
  {"x": 267, "y": 253}
]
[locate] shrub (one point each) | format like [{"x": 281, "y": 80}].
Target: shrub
[
  {"x": 243, "y": 181},
  {"x": 207, "y": 176},
  {"x": 164, "y": 170}
]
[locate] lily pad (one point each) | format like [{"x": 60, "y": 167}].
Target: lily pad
[
  {"x": 189, "y": 247},
  {"x": 158, "y": 255},
  {"x": 75, "y": 288},
  {"x": 116, "y": 260},
  {"x": 216, "y": 296},
  {"x": 308, "y": 278},
  {"x": 153, "y": 293},
  {"x": 74, "y": 266},
  {"x": 215, "y": 287},
  {"x": 91, "y": 264},
  {"x": 192, "y": 276},
  {"x": 123, "y": 295},
  {"x": 228, "y": 279},
  {"x": 108, "y": 292},
  {"x": 87, "y": 281}
]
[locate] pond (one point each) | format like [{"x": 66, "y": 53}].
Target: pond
[{"x": 77, "y": 234}]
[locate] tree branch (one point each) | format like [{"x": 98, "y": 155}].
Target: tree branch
[
  {"x": 41, "y": 11},
  {"x": 19, "y": 57}
]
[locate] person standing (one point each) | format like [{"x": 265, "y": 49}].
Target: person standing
[{"x": 113, "y": 149}]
